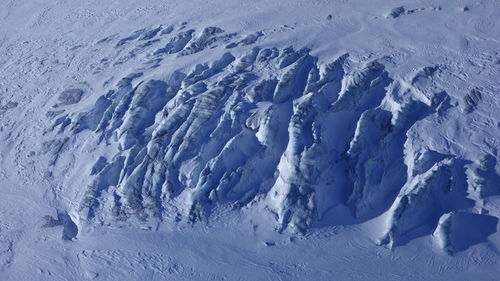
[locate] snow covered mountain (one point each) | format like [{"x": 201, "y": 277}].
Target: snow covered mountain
[{"x": 226, "y": 136}]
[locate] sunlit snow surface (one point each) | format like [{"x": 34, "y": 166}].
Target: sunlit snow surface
[{"x": 258, "y": 140}]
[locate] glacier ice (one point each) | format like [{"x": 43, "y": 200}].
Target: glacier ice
[{"x": 272, "y": 127}]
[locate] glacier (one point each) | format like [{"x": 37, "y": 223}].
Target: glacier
[{"x": 166, "y": 141}]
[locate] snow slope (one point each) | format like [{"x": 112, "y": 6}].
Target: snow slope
[{"x": 167, "y": 140}]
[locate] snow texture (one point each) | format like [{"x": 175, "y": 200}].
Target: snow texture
[{"x": 294, "y": 141}]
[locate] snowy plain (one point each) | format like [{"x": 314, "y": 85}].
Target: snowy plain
[{"x": 357, "y": 140}]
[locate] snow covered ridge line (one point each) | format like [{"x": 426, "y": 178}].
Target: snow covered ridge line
[{"x": 274, "y": 128}]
